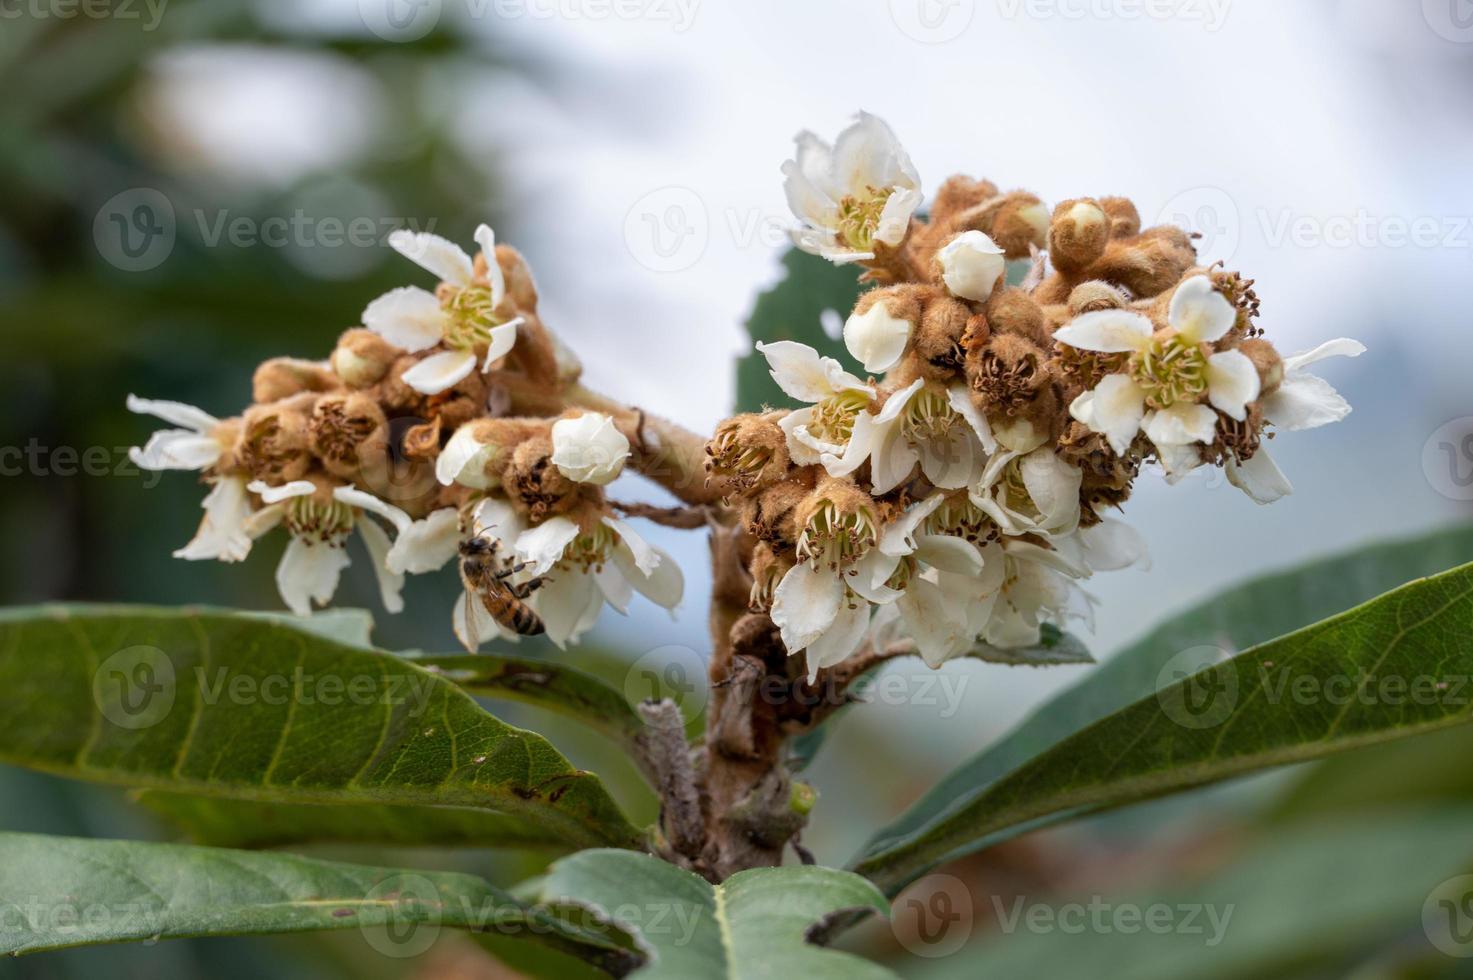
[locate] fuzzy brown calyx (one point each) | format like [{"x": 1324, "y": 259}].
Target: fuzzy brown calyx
[
  {"x": 521, "y": 287},
  {"x": 1006, "y": 374},
  {"x": 1078, "y": 235},
  {"x": 534, "y": 485},
  {"x": 767, "y": 569},
  {"x": 362, "y": 358},
  {"x": 1017, "y": 221},
  {"x": 226, "y": 434},
  {"x": 283, "y": 377},
  {"x": 1108, "y": 478},
  {"x": 1239, "y": 291},
  {"x": 274, "y": 442},
  {"x": 422, "y": 442},
  {"x": 464, "y": 401},
  {"x": 1094, "y": 296},
  {"x": 1125, "y": 217},
  {"x": 1235, "y": 440},
  {"x": 1267, "y": 362},
  {"x": 344, "y": 429},
  {"x": 1013, "y": 311},
  {"x": 937, "y": 348},
  {"x": 771, "y": 515},
  {"x": 748, "y": 453},
  {"x": 837, "y": 523}
]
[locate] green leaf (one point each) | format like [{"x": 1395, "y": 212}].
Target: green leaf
[
  {"x": 247, "y": 823},
  {"x": 352, "y": 627},
  {"x": 64, "y": 892},
  {"x": 1233, "y": 718},
  {"x": 792, "y": 310},
  {"x": 752, "y": 925},
  {"x": 572, "y": 693},
  {"x": 1293, "y": 903},
  {"x": 204, "y": 703}
]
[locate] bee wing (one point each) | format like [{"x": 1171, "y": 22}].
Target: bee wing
[{"x": 467, "y": 629}]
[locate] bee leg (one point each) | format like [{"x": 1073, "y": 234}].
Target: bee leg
[
  {"x": 510, "y": 570},
  {"x": 526, "y": 588}
]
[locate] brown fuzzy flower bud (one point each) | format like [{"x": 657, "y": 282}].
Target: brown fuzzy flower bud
[
  {"x": 748, "y": 453},
  {"x": 937, "y": 347},
  {"x": 1007, "y": 375},
  {"x": 1018, "y": 223},
  {"x": 282, "y": 377},
  {"x": 535, "y": 485},
  {"x": 1125, "y": 218},
  {"x": 1148, "y": 264},
  {"x": 226, "y": 434},
  {"x": 1078, "y": 235},
  {"x": 1093, "y": 296},
  {"x": 344, "y": 429},
  {"x": 521, "y": 288},
  {"x": 465, "y": 401},
  {"x": 959, "y": 194},
  {"x": 1013, "y": 311},
  {"x": 362, "y": 357},
  {"x": 1268, "y": 362},
  {"x": 1108, "y": 478},
  {"x": 767, "y": 569},
  {"x": 770, "y": 515},
  {"x": 274, "y": 445}
]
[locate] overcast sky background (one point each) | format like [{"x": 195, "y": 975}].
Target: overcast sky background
[{"x": 1277, "y": 129}]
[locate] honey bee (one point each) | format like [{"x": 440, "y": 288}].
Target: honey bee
[{"x": 486, "y": 575}]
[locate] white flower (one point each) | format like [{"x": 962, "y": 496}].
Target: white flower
[
  {"x": 1167, "y": 373},
  {"x": 317, "y": 554},
  {"x": 589, "y": 449},
  {"x": 924, "y": 423},
  {"x": 420, "y": 546},
  {"x": 971, "y": 265},
  {"x": 464, "y": 460},
  {"x": 1030, "y": 585},
  {"x": 460, "y": 319},
  {"x": 582, "y": 570},
  {"x": 853, "y": 195},
  {"x": 1302, "y": 401},
  {"x": 223, "y": 533},
  {"x": 189, "y": 447},
  {"x": 1036, "y": 493},
  {"x": 837, "y": 398},
  {"x": 876, "y": 338}
]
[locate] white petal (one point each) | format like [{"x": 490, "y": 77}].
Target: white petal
[
  {"x": 972, "y": 264},
  {"x": 1181, "y": 424},
  {"x": 1178, "y": 461},
  {"x": 1114, "y": 409},
  {"x": 1199, "y": 312},
  {"x": 464, "y": 459},
  {"x": 1110, "y": 546},
  {"x": 934, "y": 621},
  {"x": 222, "y": 533},
  {"x": 876, "y": 339},
  {"x": 898, "y": 400},
  {"x": 1340, "y": 347},
  {"x": 407, "y": 317},
  {"x": 427, "y": 544},
  {"x": 864, "y": 438},
  {"x": 892, "y": 460},
  {"x": 1260, "y": 478},
  {"x": 174, "y": 413},
  {"x": 663, "y": 584},
  {"x": 440, "y": 371},
  {"x": 961, "y": 404},
  {"x": 1304, "y": 401},
  {"x": 867, "y": 577},
  {"x": 309, "y": 572},
  {"x": 503, "y": 339},
  {"x": 390, "y": 582},
  {"x": 564, "y": 603},
  {"x": 440, "y": 256},
  {"x": 618, "y": 591},
  {"x": 867, "y": 155},
  {"x": 805, "y": 603},
  {"x": 272, "y": 495},
  {"x": 542, "y": 546},
  {"x": 895, "y": 216},
  {"x": 798, "y": 370},
  {"x": 589, "y": 448},
  {"x": 1107, "y": 331},
  {"x": 1232, "y": 382},
  {"x": 840, "y": 640},
  {"x": 354, "y": 497},
  {"x": 499, "y": 519},
  {"x": 954, "y": 462},
  {"x": 899, "y": 537},
  {"x": 486, "y": 238},
  {"x": 795, "y": 424},
  {"x": 807, "y": 200},
  {"x": 948, "y": 553},
  {"x": 176, "y": 449},
  {"x": 646, "y": 557},
  {"x": 1053, "y": 486}
]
